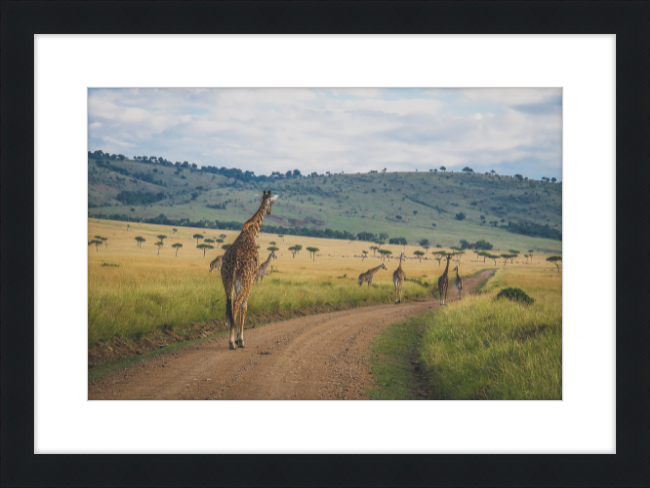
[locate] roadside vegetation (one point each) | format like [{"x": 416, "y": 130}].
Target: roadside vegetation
[
  {"x": 480, "y": 347},
  {"x": 136, "y": 288}
]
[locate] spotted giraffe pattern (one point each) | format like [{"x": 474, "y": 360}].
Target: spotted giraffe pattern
[
  {"x": 459, "y": 283},
  {"x": 443, "y": 283},
  {"x": 261, "y": 271},
  {"x": 239, "y": 269},
  {"x": 398, "y": 280},
  {"x": 368, "y": 275},
  {"x": 216, "y": 263}
]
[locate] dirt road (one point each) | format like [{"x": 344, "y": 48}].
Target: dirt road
[{"x": 320, "y": 357}]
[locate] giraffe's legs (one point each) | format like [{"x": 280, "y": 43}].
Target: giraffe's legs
[
  {"x": 242, "y": 316},
  {"x": 231, "y": 319}
]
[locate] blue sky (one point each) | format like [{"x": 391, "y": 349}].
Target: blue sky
[{"x": 510, "y": 130}]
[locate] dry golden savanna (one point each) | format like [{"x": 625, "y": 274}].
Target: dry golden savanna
[{"x": 136, "y": 289}]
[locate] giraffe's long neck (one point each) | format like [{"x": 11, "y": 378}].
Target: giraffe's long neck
[
  {"x": 457, "y": 274},
  {"x": 374, "y": 270},
  {"x": 254, "y": 224},
  {"x": 446, "y": 269},
  {"x": 400, "y": 263},
  {"x": 268, "y": 260}
]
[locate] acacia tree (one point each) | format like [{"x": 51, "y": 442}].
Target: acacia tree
[
  {"x": 526, "y": 256},
  {"x": 494, "y": 257},
  {"x": 140, "y": 240},
  {"x": 312, "y": 252},
  {"x": 281, "y": 236},
  {"x": 174, "y": 232},
  {"x": 209, "y": 241},
  {"x": 419, "y": 254},
  {"x": 225, "y": 246},
  {"x": 96, "y": 242},
  {"x": 530, "y": 253},
  {"x": 384, "y": 253},
  {"x": 159, "y": 244},
  {"x": 374, "y": 249},
  {"x": 273, "y": 249},
  {"x": 364, "y": 256},
  {"x": 205, "y": 247},
  {"x": 484, "y": 254},
  {"x": 197, "y": 237},
  {"x": 104, "y": 239},
  {"x": 178, "y": 245},
  {"x": 438, "y": 255},
  {"x": 222, "y": 236},
  {"x": 161, "y": 237},
  {"x": 554, "y": 260}
]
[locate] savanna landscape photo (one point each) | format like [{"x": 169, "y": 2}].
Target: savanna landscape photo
[{"x": 325, "y": 244}]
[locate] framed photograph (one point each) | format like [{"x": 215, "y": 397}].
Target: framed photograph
[{"x": 82, "y": 70}]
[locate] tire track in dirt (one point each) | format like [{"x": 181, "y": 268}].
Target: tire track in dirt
[{"x": 319, "y": 357}]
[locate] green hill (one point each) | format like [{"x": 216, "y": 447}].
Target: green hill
[{"x": 517, "y": 214}]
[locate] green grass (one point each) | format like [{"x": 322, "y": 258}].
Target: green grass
[
  {"x": 479, "y": 348},
  {"x": 347, "y": 202},
  {"x": 391, "y": 363}
]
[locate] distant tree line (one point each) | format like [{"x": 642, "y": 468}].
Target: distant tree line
[
  {"x": 482, "y": 244},
  {"x": 162, "y": 219},
  {"x": 533, "y": 230}
]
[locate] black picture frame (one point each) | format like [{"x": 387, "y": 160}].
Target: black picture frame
[{"x": 628, "y": 20}]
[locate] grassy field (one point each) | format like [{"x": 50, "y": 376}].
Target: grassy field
[
  {"x": 480, "y": 347},
  {"x": 411, "y": 205},
  {"x": 134, "y": 291}
]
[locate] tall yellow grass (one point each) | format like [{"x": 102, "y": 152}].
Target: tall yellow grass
[
  {"x": 134, "y": 291},
  {"x": 483, "y": 348}
]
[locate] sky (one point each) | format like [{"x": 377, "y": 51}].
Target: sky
[{"x": 509, "y": 130}]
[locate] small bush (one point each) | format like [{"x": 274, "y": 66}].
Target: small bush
[{"x": 516, "y": 295}]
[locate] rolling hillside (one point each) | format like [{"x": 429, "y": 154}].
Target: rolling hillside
[{"x": 516, "y": 213}]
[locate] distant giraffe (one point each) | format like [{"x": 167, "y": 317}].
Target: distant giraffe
[
  {"x": 398, "y": 280},
  {"x": 216, "y": 263},
  {"x": 239, "y": 268},
  {"x": 261, "y": 271},
  {"x": 367, "y": 276},
  {"x": 459, "y": 283},
  {"x": 443, "y": 283}
]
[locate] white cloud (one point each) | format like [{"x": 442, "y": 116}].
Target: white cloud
[{"x": 349, "y": 130}]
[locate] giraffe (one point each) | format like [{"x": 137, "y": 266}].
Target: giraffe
[
  {"x": 443, "y": 283},
  {"x": 261, "y": 271},
  {"x": 239, "y": 268},
  {"x": 459, "y": 283},
  {"x": 367, "y": 276},
  {"x": 216, "y": 263},
  {"x": 398, "y": 280}
]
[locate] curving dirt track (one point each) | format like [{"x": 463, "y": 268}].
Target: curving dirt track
[{"x": 320, "y": 357}]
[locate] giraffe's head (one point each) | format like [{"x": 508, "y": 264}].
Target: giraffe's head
[
  {"x": 382, "y": 266},
  {"x": 267, "y": 201},
  {"x": 456, "y": 268}
]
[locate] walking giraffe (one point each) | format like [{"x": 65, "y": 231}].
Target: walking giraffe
[
  {"x": 261, "y": 271},
  {"x": 459, "y": 283},
  {"x": 443, "y": 283},
  {"x": 367, "y": 276},
  {"x": 216, "y": 263},
  {"x": 239, "y": 268},
  {"x": 398, "y": 280}
]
